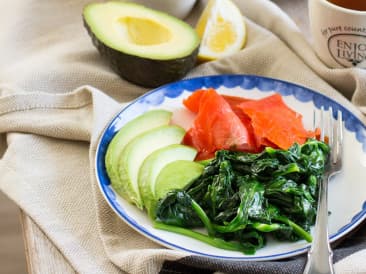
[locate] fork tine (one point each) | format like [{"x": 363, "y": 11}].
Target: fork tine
[
  {"x": 332, "y": 129},
  {"x": 340, "y": 126},
  {"x": 339, "y": 140},
  {"x": 315, "y": 119},
  {"x": 322, "y": 124}
]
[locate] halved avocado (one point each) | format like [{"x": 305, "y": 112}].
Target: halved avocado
[{"x": 144, "y": 46}]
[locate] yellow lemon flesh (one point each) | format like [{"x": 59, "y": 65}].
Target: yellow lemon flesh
[{"x": 222, "y": 30}]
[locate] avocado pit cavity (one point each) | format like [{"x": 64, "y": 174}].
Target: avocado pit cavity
[{"x": 145, "y": 32}]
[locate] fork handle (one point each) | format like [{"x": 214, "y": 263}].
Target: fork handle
[{"x": 320, "y": 256}]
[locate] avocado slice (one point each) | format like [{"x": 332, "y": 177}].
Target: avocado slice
[
  {"x": 176, "y": 175},
  {"x": 144, "y": 46},
  {"x": 134, "y": 154},
  {"x": 144, "y": 122},
  {"x": 154, "y": 163}
]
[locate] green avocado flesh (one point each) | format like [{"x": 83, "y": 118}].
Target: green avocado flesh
[
  {"x": 133, "y": 155},
  {"x": 142, "y": 45},
  {"x": 176, "y": 175},
  {"x": 149, "y": 120},
  {"x": 154, "y": 163}
]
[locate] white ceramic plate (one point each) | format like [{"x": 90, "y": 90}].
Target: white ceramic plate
[{"x": 347, "y": 191}]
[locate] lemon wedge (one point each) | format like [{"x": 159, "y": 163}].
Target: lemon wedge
[{"x": 222, "y": 30}]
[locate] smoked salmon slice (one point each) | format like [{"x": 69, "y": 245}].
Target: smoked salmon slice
[
  {"x": 237, "y": 123},
  {"x": 274, "y": 122},
  {"x": 216, "y": 126}
]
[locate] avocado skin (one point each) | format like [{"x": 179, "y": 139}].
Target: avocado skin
[{"x": 145, "y": 72}]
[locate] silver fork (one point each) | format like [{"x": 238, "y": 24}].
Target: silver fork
[{"x": 320, "y": 255}]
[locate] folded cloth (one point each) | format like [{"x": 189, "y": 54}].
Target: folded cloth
[{"x": 57, "y": 95}]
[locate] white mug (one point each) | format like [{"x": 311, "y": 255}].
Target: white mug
[
  {"x": 177, "y": 8},
  {"x": 339, "y": 34}
]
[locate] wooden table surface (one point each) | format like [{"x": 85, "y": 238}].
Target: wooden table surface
[{"x": 44, "y": 257}]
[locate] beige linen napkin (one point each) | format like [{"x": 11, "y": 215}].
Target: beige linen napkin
[{"x": 57, "y": 95}]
